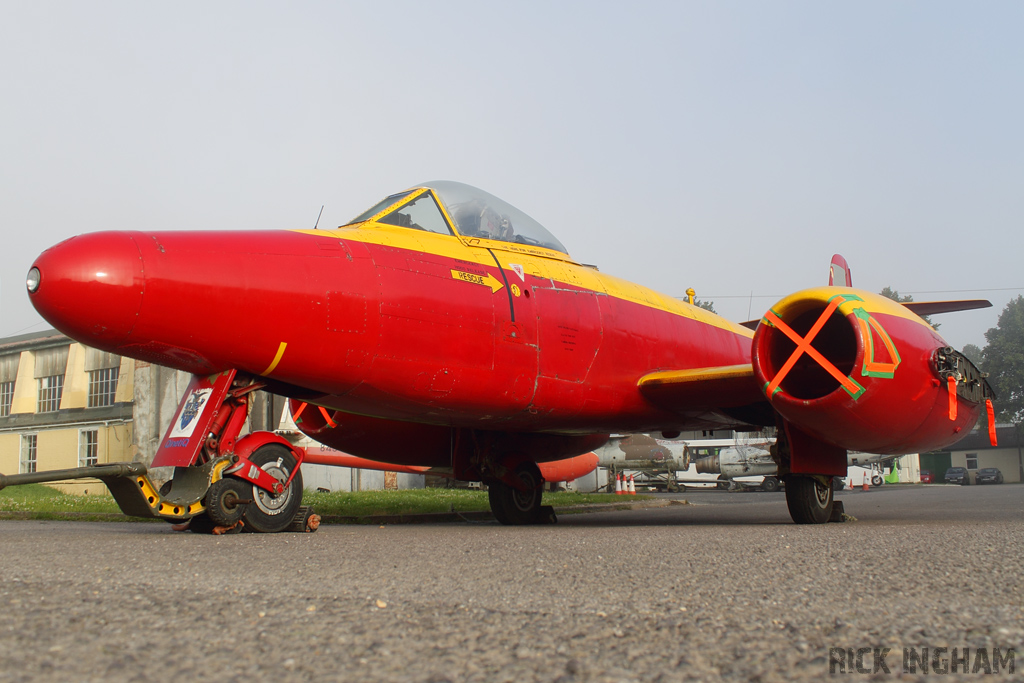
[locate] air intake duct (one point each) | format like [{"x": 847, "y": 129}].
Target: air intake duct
[{"x": 862, "y": 372}]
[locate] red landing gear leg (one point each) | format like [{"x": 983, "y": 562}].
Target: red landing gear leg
[
  {"x": 808, "y": 467},
  {"x": 223, "y": 482}
]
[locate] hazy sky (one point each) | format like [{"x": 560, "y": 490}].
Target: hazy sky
[{"x": 731, "y": 147}]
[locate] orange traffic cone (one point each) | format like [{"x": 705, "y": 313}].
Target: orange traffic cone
[
  {"x": 618, "y": 484},
  {"x": 632, "y": 486},
  {"x": 867, "y": 483},
  {"x": 849, "y": 483}
]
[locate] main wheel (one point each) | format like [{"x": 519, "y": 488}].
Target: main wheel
[
  {"x": 269, "y": 513},
  {"x": 226, "y": 500},
  {"x": 494, "y": 497},
  {"x": 770, "y": 484},
  {"x": 809, "y": 499},
  {"x": 512, "y": 506}
]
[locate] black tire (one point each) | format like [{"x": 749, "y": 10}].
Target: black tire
[
  {"x": 808, "y": 499},
  {"x": 268, "y": 513},
  {"x": 222, "y": 504},
  {"x": 876, "y": 480},
  {"x": 770, "y": 484},
  {"x": 517, "y": 507},
  {"x": 494, "y": 498}
]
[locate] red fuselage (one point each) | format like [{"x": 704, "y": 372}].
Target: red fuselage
[{"x": 390, "y": 323}]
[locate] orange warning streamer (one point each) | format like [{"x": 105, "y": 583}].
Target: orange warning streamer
[
  {"x": 803, "y": 345},
  {"x": 951, "y": 385},
  {"x": 991, "y": 422}
]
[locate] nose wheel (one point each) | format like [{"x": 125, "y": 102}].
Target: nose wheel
[{"x": 269, "y": 513}]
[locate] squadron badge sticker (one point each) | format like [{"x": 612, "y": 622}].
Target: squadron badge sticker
[{"x": 186, "y": 422}]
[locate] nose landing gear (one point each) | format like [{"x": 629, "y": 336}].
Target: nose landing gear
[{"x": 221, "y": 483}]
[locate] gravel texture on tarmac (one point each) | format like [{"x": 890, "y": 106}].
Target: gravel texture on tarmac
[{"x": 725, "y": 589}]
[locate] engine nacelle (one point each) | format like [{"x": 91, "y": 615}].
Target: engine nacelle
[{"x": 862, "y": 372}]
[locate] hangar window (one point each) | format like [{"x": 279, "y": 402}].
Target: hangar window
[
  {"x": 972, "y": 461},
  {"x": 103, "y": 369},
  {"x": 88, "y": 447},
  {"x": 102, "y": 387},
  {"x": 6, "y": 398},
  {"x": 8, "y": 374},
  {"x": 49, "y": 371},
  {"x": 421, "y": 213},
  {"x": 50, "y": 391},
  {"x": 28, "y": 453}
]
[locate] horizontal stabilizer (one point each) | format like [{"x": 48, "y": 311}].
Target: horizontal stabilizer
[
  {"x": 725, "y": 386},
  {"x": 933, "y": 307}
]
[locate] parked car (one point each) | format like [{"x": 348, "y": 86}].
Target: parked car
[
  {"x": 958, "y": 475},
  {"x": 988, "y": 475},
  {"x": 927, "y": 477}
]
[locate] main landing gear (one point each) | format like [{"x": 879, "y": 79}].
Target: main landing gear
[
  {"x": 810, "y": 501},
  {"x": 520, "y": 504}
]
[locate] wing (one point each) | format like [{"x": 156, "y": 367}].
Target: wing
[{"x": 720, "y": 387}]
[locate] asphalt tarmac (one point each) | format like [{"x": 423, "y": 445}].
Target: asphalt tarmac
[{"x": 724, "y": 589}]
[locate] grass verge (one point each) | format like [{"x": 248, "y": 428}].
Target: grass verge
[{"x": 35, "y": 501}]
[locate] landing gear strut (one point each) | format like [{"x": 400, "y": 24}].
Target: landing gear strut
[{"x": 809, "y": 498}]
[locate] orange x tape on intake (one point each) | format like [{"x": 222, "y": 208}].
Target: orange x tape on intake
[
  {"x": 803, "y": 345},
  {"x": 331, "y": 423}
]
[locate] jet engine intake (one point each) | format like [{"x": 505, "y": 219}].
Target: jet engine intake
[{"x": 862, "y": 372}]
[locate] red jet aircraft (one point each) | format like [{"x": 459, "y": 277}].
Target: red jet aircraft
[{"x": 444, "y": 328}]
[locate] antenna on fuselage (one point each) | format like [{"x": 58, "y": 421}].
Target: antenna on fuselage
[{"x": 318, "y": 216}]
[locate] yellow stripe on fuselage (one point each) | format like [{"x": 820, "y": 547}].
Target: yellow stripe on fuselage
[{"x": 536, "y": 261}]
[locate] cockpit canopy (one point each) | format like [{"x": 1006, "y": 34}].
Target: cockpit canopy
[{"x": 472, "y": 213}]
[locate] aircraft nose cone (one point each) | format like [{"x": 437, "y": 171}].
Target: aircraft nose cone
[{"x": 90, "y": 287}]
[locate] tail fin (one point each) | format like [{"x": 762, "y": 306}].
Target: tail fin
[{"x": 839, "y": 272}]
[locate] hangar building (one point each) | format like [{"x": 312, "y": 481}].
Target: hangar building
[{"x": 63, "y": 405}]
